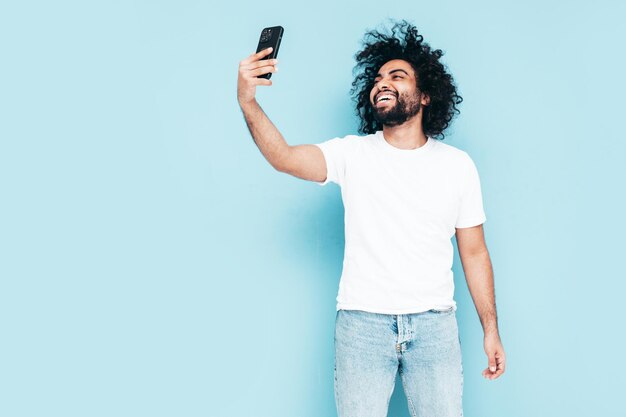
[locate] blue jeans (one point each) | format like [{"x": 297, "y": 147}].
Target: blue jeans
[{"x": 370, "y": 349}]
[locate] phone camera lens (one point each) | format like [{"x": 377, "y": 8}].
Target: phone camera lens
[{"x": 266, "y": 35}]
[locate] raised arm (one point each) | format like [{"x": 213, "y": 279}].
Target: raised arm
[{"x": 302, "y": 161}]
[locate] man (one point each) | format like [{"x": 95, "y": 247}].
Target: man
[{"x": 405, "y": 195}]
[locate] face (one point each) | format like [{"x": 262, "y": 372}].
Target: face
[{"x": 395, "y": 97}]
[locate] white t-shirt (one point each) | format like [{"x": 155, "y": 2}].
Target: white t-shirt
[{"x": 401, "y": 210}]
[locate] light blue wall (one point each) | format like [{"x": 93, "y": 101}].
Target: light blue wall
[{"x": 152, "y": 263}]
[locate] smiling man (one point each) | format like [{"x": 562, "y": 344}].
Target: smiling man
[
  {"x": 405, "y": 195},
  {"x": 393, "y": 108}
]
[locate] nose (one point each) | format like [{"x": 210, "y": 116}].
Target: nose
[{"x": 383, "y": 85}]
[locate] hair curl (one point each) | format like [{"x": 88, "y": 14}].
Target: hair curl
[{"x": 432, "y": 78}]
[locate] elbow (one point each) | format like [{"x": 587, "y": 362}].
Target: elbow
[{"x": 281, "y": 161}]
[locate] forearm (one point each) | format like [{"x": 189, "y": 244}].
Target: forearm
[
  {"x": 479, "y": 276},
  {"x": 266, "y": 136}
]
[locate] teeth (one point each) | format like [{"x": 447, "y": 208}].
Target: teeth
[{"x": 385, "y": 97}]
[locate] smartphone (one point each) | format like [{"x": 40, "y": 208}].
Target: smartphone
[{"x": 270, "y": 37}]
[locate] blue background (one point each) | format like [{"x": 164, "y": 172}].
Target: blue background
[{"x": 152, "y": 262}]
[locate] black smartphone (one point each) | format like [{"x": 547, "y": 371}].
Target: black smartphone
[{"x": 270, "y": 37}]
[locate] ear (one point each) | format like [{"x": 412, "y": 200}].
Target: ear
[{"x": 425, "y": 100}]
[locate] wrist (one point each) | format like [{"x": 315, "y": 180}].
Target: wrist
[
  {"x": 492, "y": 332},
  {"x": 246, "y": 102}
]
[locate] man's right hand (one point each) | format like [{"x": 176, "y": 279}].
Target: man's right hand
[
  {"x": 302, "y": 161},
  {"x": 249, "y": 69}
]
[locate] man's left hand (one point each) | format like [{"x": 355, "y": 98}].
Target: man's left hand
[{"x": 495, "y": 356}]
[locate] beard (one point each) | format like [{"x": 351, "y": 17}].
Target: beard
[{"x": 403, "y": 110}]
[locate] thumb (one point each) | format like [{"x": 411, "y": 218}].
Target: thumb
[{"x": 492, "y": 361}]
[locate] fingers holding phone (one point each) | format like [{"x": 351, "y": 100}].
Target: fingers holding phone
[
  {"x": 257, "y": 69},
  {"x": 250, "y": 71},
  {"x": 270, "y": 39}
]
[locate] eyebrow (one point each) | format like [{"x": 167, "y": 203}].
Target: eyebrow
[{"x": 392, "y": 71}]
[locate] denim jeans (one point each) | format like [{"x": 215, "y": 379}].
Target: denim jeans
[{"x": 370, "y": 349}]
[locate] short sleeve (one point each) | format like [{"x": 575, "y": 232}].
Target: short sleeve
[
  {"x": 471, "y": 212},
  {"x": 335, "y": 152}
]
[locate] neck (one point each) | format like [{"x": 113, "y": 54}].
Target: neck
[{"x": 408, "y": 135}]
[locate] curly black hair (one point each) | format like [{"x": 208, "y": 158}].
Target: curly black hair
[{"x": 432, "y": 78}]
